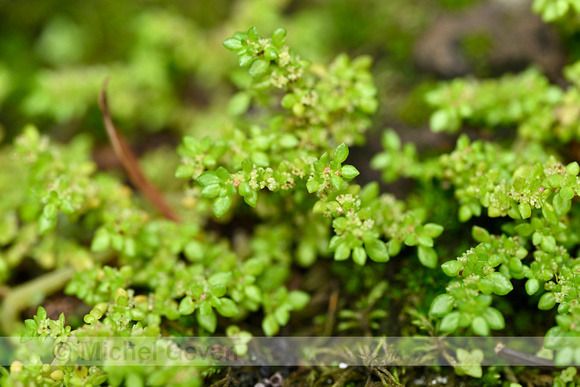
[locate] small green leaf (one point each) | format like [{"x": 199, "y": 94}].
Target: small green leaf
[
  {"x": 427, "y": 256},
  {"x": 194, "y": 251},
  {"x": 561, "y": 205},
  {"x": 547, "y": 301},
  {"x": 41, "y": 313},
  {"x": 271, "y": 53},
  {"x": 564, "y": 357},
  {"x": 50, "y": 211},
  {"x": 410, "y": 239},
  {"x": 278, "y": 37},
  {"x": 519, "y": 184},
  {"x": 377, "y": 250},
  {"x": 320, "y": 207},
  {"x": 452, "y": 268},
  {"x": 245, "y": 60},
  {"x": 261, "y": 159},
  {"x": 184, "y": 172},
  {"x": 549, "y": 244},
  {"x": 495, "y": 260},
  {"x": 524, "y": 229},
  {"x": 298, "y": 299},
  {"x": 494, "y": 318},
  {"x": 312, "y": 185},
  {"x": 341, "y": 153},
  {"x": 270, "y": 325},
  {"x": 359, "y": 255},
  {"x": 480, "y": 234},
  {"x": 228, "y": 308},
  {"x": 425, "y": 240},
  {"x": 222, "y": 173},
  {"x": 282, "y": 315},
  {"x": 221, "y": 277},
  {"x": 433, "y": 229},
  {"x": 253, "y": 34},
  {"x": 233, "y": 44},
  {"x": 186, "y": 306},
  {"x": 221, "y": 205},
  {"x": 450, "y": 322},
  {"x": 485, "y": 285},
  {"x": 342, "y": 252},
  {"x": 554, "y": 338},
  {"x": 101, "y": 240},
  {"x": 336, "y": 181},
  {"x": 191, "y": 143},
  {"x": 441, "y": 305},
  {"x": 549, "y": 213},
  {"x": 288, "y": 141},
  {"x": 555, "y": 181},
  {"x": 244, "y": 189},
  {"x": 444, "y": 120},
  {"x": 573, "y": 168},
  {"x": 502, "y": 285},
  {"x": 253, "y": 266},
  {"x": 45, "y": 224},
  {"x": 469, "y": 363},
  {"x": 525, "y": 210},
  {"x": 322, "y": 162},
  {"x": 208, "y": 178},
  {"x": 254, "y": 293},
  {"x": 30, "y": 324},
  {"x": 289, "y": 100},
  {"x": 532, "y": 286},
  {"x": 219, "y": 290},
  {"x": 247, "y": 166},
  {"x": 390, "y": 140},
  {"x": 393, "y": 247},
  {"x": 259, "y": 68},
  {"x": 252, "y": 198},
  {"x": 464, "y": 213},
  {"x": 349, "y": 172},
  {"x": 480, "y": 326},
  {"x": 207, "y": 322},
  {"x": 211, "y": 191},
  {"x": 537, "y": 238},
  {"x": 567, "y": 193},
  {"x": 205, "y": 308},
  {"x": 239, "y": 104}
]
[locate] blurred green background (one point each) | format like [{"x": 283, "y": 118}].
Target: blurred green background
[{"x": 171, "y": 76}]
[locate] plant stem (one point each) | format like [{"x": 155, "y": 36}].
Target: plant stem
[{"x": 26, "y": 295}]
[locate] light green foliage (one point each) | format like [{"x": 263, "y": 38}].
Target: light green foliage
[
  {"x": 483, "y": 174},
  {"x": 324, "y": 104},
  {"x": 554, "y": 10},
  {"x": 186, "y": 272},
  {"x": 468, "y": 363},
  {"x": 525, "y": 184},
  {"x": 292, "y": 153},
  {"x": 263, "y": 182},
  {"x": 527, "y": 101}
]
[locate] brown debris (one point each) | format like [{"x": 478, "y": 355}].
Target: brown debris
[{"x": 130, "y": 162}]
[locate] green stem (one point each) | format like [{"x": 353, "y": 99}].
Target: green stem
[{"x": 26, "y": 295}]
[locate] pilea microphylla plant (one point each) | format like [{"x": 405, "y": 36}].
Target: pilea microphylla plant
[{"x": 271, "y": 205}]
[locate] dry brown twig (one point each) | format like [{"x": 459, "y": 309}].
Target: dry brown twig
[{"x": 130, "y": 162}]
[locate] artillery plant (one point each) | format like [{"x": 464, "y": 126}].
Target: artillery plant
[{"x": 280, "y": 167}]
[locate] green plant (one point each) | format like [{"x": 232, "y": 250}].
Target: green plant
[
  {"x": 186, "y": 270},
  {"x": 268, "y": 204}
]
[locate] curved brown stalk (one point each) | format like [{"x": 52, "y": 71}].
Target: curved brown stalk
[{"x": 130, "y": 162}]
